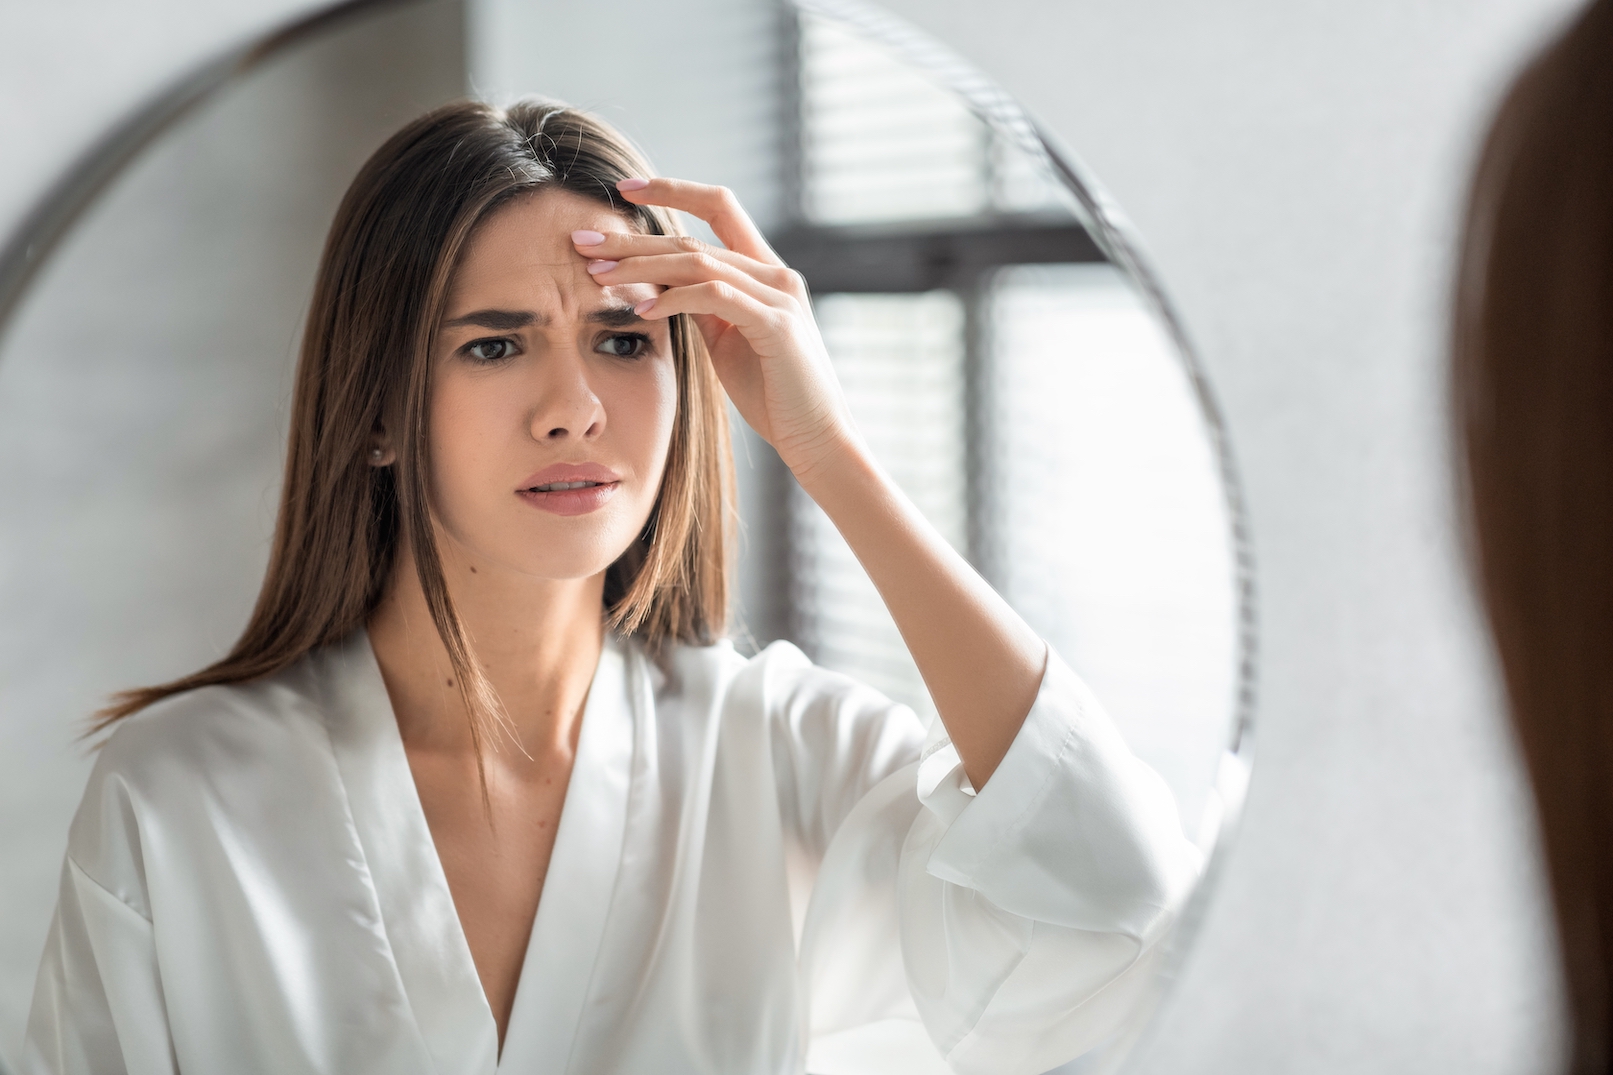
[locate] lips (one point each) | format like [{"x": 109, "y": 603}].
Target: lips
[
  {"x": 560, "y": 487},
  {"x": 570, "y": 488},
  {"x": 571, "y": 473}
]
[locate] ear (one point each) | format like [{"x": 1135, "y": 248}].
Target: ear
[{"x": 381, "y": 453}]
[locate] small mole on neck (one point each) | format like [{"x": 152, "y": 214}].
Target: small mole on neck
[
  {"x": 449, "y": 682},
  {"x": 473, "y": 570}
]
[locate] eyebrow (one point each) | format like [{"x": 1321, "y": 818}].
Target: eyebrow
[
  {"x": 615, "y": 316},
  {"x": 497, "y": 320},
  {"x": 505, "y": 320}
]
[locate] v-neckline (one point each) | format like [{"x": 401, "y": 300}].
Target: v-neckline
[
  {"x": 569, "y": 928},
  {"x": 422, "y": 924}
]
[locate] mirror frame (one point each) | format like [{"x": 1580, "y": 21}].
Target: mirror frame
[{"x": 43, "y": 228}]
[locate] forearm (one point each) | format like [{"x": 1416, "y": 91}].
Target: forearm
[{"x": 981, "y": 662}]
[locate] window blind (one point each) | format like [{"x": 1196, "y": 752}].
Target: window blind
[{"x": 900, "y": 361}]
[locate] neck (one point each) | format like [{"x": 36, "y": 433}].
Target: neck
[{"x": 537, "y": 641}]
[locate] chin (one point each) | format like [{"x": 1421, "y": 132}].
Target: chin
[
  {"x": 560, "y": 560},
  {"x": 548, "y": 552},
  {"x": 565, "y": 571}
]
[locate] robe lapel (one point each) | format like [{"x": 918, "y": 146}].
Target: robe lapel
[
  {"x": 422, "y": 927},
  {"x": 570, "y": 925}
]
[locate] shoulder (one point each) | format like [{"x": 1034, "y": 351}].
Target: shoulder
[
  {"x": 779, "y": 680},
  {"x": 720, "y": 670},
  {"x": 722, "y": 661},
  {"x": 223, "y": 725},
  {"x": 205, "y": 761}
]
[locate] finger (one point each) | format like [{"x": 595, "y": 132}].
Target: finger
[
  {"x": 606, "y": 249},
  {"x": 772, "y": 284},
  {"x": 621, "y": 244},
  {"x": 626, "y": 244},
  {"x": 597, "y": 248},
  {"x": 717, "y": 298},
  {"x": 717, "y": 206}
]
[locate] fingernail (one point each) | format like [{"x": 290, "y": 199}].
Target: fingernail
[
  {"x": 600, "y": 265},
  {"x": 644, "y": 307},
  {"x": 587, "y": 238},
  {"x": 632, "y": 184}
]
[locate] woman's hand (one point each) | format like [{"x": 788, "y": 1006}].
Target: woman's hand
[
  {"x": 981, "y": 662},
  {"x": 752, "y": 309}
]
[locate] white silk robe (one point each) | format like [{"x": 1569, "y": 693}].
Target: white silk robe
[{"x": 250, "y": 887}]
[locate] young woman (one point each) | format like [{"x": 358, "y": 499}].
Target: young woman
[{"x": 481, "y": 787}]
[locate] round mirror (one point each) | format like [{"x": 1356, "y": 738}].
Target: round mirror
[{"x": 1003, "y": 346}]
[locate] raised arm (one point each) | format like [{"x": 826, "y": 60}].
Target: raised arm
[{"x": 980, "y": 661}]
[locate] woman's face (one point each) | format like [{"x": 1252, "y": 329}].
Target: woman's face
[{"x": 552, "y": 402}]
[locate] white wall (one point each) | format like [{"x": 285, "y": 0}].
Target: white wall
[{"x": 1295, "y": 168}]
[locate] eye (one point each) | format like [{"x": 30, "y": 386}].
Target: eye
[
  {"x": 624, "y": 344},
  {"x": 490, "y": 350}
]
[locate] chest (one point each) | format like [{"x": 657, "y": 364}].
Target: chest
[
  {"x": 495, "y": 853},
  {"x": 637, "y": 898}
]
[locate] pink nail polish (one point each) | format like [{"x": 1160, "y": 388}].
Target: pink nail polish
[
  {"x": 632, "y": 184},
  {"x": 644, "y": 307},
  {"x": 587, "y": 238},
  {"x": 600, "y": 265}
]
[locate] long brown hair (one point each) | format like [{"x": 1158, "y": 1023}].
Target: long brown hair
[
  {"x": 379, "y": 296},
  {"x": 1533, "y": 411}
]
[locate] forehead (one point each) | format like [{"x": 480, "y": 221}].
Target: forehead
[
  {"x": 529, "y": 240},
  {"x": 523, "y": 259}
]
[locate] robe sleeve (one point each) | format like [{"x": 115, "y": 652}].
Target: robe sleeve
[
  {"x": 98, "y": 1004},
  {"x": 833, "y": 740},
  {"x": 1031, "y": 912},
  {"x": 1005, "y": 932}
]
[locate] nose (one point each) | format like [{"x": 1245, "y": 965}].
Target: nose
[{"x": 566, "y": 404}]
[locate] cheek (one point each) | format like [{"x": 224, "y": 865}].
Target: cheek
[
  {"x": 646, "y": 409},
  {"x": 467, "y": 415}
]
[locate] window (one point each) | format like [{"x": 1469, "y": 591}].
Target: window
[{"x": 900, "y": 360}]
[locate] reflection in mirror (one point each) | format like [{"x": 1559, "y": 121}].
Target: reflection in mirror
[{"x": 1000, "y": 350}]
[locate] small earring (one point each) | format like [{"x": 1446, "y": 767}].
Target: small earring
[{"x": 376, "y": 454}]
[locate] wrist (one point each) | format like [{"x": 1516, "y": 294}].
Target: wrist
[{"x": 833, "y": 461}]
